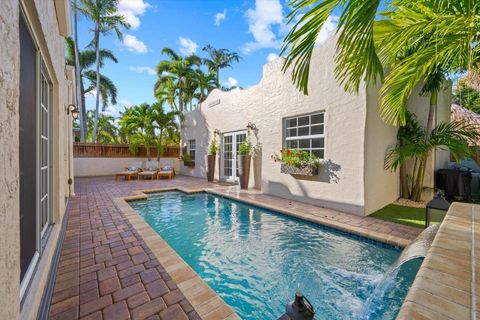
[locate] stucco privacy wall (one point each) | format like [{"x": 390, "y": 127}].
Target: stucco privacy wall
[
  {"x": 9, "y": 161},
  {"x": 340, "y": 182},
  {"x": 41, "y": 16},
  {"x": 88, "y": 167}
]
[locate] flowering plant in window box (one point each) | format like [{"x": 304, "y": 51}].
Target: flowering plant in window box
[
  {"x": 297, "y": 162},
  {"x": 187, "y": 160}
]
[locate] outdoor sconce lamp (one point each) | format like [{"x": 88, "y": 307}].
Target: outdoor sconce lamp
[
  {"x": 74, "y": 110},
  {"x": 438, "y": 205},
  {"x": 251, "y": 126},
  {"x": 216, "y": 132}
]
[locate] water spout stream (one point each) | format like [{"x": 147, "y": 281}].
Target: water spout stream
[{"x": 418, "y": 248}]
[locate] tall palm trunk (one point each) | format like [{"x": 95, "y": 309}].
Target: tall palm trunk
[
  {"x": 418, "y": 182},
  {"x": 84, "y": 110},
  {"x": 160, "y": 146},
  {"x": 97, "y": 102},
  {"x": 78, "y": 80}
]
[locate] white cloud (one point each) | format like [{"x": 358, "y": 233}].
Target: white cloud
[
  {"x": 231, "y": 82},
  {"x": 125, "y": 103},
  {"x": 111, "y": 111},
  {"x": 272, "y": 56},
  {"x": 142, "y": 69},
  {"x": 330, "y": 26},
  {"x": 133, "y": 44},
  {"x": 261, "y": 22},
  {"x": 220, "y": 16},
  {"x": 92, "y": 94},
  {"x": 187, "y": 46},
  {"x": 132, "y": 10}
]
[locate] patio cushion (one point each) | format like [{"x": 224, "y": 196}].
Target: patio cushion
[
  {"x": 147, "y": 172},
  {"x": 126, "y": 172}
]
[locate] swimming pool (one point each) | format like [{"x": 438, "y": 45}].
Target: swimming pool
[{"x": 256, "y": 259}]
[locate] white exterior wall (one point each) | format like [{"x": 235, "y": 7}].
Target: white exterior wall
[
  {"x": 353, "y": 178},
  {"x": 41, "y": 15},
  {"x": 89, "y": 167},
  {"x": 340, "y": 182}
]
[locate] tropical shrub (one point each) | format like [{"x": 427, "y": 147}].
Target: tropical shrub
[
  {"x": 245, "y": 148},
  {"x": 213, "y": 148},
  {"x": 415, "y": 144}
]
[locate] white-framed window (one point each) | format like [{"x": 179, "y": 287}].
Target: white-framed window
[
  {"x": 192, "y": 148},
  {"x": 306, "y": 132}
]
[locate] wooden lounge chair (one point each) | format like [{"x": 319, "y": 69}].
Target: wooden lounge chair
[
  {"x": 150, "y": 170},
  {"x": 167, "y": 171},
  {"x": 130, "y": 172}
]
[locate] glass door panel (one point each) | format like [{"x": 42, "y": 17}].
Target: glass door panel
[{"x": 231, "y": 146}]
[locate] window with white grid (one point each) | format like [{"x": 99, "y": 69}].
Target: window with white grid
[
  {"x": 306, "y": 132},
  {"x": 191, "y": 149}
]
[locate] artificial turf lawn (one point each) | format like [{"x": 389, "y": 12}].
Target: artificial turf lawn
[{"x": 414, "y": 217}]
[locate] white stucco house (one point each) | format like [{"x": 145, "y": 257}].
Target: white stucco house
[{"x": 345, "y": 130}]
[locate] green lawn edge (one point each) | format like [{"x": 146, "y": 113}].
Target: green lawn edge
[{"x": 413, "y": 217}]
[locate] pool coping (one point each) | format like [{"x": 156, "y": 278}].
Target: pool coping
[{"x": 446, "y": 285}]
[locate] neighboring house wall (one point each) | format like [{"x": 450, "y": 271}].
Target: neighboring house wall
[
  {"x": 89, "y": 167},
  {"x": 353, "y": 177},
  {"x": 41, "y": 17}
]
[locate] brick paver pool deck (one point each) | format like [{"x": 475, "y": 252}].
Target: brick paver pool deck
[{"x": 107, "y": 271}]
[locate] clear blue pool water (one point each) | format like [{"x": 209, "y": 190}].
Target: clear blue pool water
[{"x": 256, "y": 259}]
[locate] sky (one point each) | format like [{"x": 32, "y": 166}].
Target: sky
[{"x": 252, "y": 28}]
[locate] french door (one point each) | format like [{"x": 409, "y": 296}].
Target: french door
[
  {"x": 35, "y": 148},
  {"x": 231, "y": 145}
]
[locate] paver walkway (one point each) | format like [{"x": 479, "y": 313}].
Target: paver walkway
[{"x": 106, "y": 271}]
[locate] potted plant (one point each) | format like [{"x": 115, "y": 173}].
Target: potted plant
[
  {"x": 212, "y": 152},
  {"x": 187, "y": 160},
  {"x": 297, "y": 162},
  {"x": 244, "y": 159}
]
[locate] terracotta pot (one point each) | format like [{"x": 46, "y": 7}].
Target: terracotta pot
[
  {"x": 244, "y": 170},
  {"x": 211, "y": 166}
]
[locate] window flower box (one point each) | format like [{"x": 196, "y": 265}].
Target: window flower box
[
  {"x": 306, "y": 170},
  {"x": 189, "y": 163}
]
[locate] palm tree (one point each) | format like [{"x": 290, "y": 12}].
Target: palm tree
[
  {"x": 203, "y": 83},
  {"x": 219, "y": 59},
  {"x": 416, "y": 144},
  {"x": 87, "y": 58},
  {"x": 467, "y": 96},
  {"x": 166, "y": 91},
  {"x": 138, "y": 123},
  {"x": 103, "y": 14},
  {"x": 80, "y": 102},
  {"x": 174, "y": 73},
  {"x": 448, "y": 31},
  {"x": 164, "y": 122}
]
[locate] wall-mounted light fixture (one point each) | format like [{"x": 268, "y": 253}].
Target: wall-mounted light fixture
[
  {"x": 251, "y": 126},
  {"x": 216, "y": 132},
  {"x": 74, "y": 110}
]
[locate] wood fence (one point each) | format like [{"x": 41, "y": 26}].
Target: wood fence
[{"x": 93, "y": 150}]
